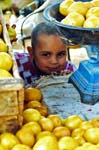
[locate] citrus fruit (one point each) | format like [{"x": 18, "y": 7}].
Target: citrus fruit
[
  {"x": 2, "y": 147},
  {"x": 86, "y": 125},
  {"x": 78, "y": 7},
  {"x": 46, "y": 143},
  {"x": 73, "y": 122},
  {"x": 31, "y": 114},
  {"x": 95, "y": 3},
  {"x": 56, "y": 120},
  {"x": 80, "y": 140},
  {"x": 5, "y": 74},
  {"x": 88, "y": 5},
  {"x": 33, "y": 94},
  {"x": 8, "y": 140},
  {"x": 33, "y": 104},
  {"x": 61, "y": 131},
  {"x": 43, "y": 110},
  {"x": 21, "y": 147},
  {"x": 43, "y": 134},
  {"x": 78, "y": 132},
  {"x": 26, "y": 137},
  {"x": 93, "y": 11},
  {"x": 95, "y": 122},
  {"x": 74, "y": 19},
  {"x": 64, "y": 6},
  {"x": 92, "y": 135},
  {"x": 91, "y": 22},
  {"x": 67, "y": 143},
  {"x": 33, "y": 126},
  {"x": 3, "y": 45},
  {"x": 6, "y": 61},
  {"x": 1, "y": 28},
  {"x": 46, "y": 124}
]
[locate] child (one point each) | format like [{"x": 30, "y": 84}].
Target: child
[{"x": 47, "y": 56}]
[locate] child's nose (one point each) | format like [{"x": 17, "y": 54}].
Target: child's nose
[{"x": 54, "y": 60}]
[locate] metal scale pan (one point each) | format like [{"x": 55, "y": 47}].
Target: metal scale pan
[{"x": 86, "y": 78}]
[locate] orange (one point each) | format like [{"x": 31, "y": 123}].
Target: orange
[
  {"x": 56, "y": 119},
  {"x": 33, "y": 94},
  {"x": 63, "y": 7},
  {"x": 8, "y": 140},
  {"x": 73, "y": 122},
  {"x": 67, "y": 143},
  {"x": 6, "y": 61},
  {"x": 21, "y": 147},
  {"x": 79, "y": 7},
  {"x": 31, "y": 114},
  {"x": 92, "y": 135},
  {"x": 91, "y": 22},
  {"x": 74, "y": 19},
  {"x": 46, "y": 124},
  {"x": 5, "y": 74},
  {"x": 61, "y": 131},
  {"x": 26, "y": 137},
  {"x": 32, "y": 126}
]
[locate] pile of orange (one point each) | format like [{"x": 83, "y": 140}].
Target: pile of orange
[{"x": 81, "y": 14}]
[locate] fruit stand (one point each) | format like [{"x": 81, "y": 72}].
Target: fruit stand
[{"x": 48, "y": 115}]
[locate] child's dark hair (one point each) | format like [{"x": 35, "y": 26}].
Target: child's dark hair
[{"x": 43, "y": 28}]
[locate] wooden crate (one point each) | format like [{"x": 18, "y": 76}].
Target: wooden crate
[{"x": 11, "y": 93}]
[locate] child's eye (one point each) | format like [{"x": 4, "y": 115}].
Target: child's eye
[
  {"x": 61, "y": 54},
  {"x": 46, "y": 54}
]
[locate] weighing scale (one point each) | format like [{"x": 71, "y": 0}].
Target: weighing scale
[{"x": 86, "y": 77}]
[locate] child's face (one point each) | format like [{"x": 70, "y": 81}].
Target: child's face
[{"x": 50, "y": 54}]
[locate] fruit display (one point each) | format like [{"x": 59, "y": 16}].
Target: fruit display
[
  {"x": 80, "y": 14},
  {"x": 50, "y": 131}
]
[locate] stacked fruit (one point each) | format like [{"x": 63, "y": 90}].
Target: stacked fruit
[
  {"x": 50, "y": 132},
  {"x": 81, "y": 14},
  {"x": 6, "y": 61}
]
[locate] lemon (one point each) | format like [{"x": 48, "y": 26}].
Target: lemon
[
  {"x": 46, "y": 143},
  {"x": 74, "y": 19},
  {"x": 5, "y": 74},
  {"x": 91, "y": 22},
  {"x": 64, "y": 6},
  {"x": 3, "y": 45},
  {"x": 46, "y": 124},
  {"x": 95, "y": 3},
  {"x": 26, "y": 137},
  {"x": 61, "y": 131},
  {"x": 32, "y": 126},
  {"x": 31, "y": 114},
  {"x": 1, "y": 28},
  {"x": 93, "y": 11},
  {"x": 67, "y": 143},
  {"x": 79, "y": 7},
  {"x": 6, "y": 61},
  {"x": 8, "y": 140},
  {"x": 55, "y": 119},
  {"x": 43, "y": 134},
  {"x": 2, "y": 147},
  {"x": 33, "y": 94},
  {"x": 21, "y": 147}
]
